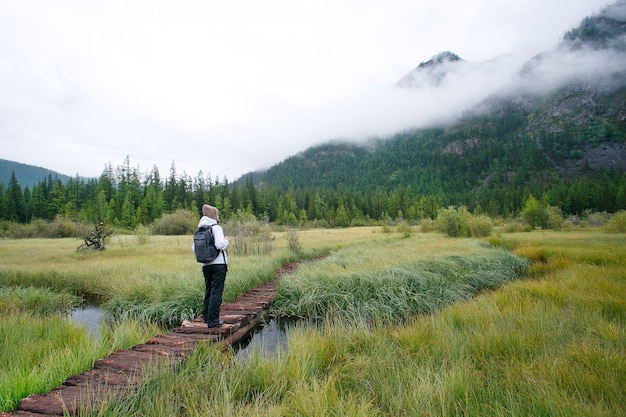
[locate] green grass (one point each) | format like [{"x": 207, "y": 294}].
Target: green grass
[
  {"x": 38, "y": 353},
  {"x": 158, "y": 281},
  {"x": 40, "y": 301},
  {"x": 551, "y": 345},
  {"x": 360, "y": 284}
]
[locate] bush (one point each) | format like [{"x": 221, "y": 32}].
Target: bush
[
  {"x": 250, "y": 236},
  {"x": 385, "y": 228},
  {"x": 535, "y": 213},
  {"x": 461, "y": 223},
  {"x": 516, "y": 227},
  {"x": 595, "y": 219},
  {"x": 617, "y": 223},
  {"x": 142, "y": 234},
  {"x": 479, "y": 226},
  {"x": 180, "y": 222},
  {"x": 39, "y": 228},
  {"x": 427, "y": 225},
  {"x": 448, "y": 222},
  {"x": 294, "y": 241},
  {"x": 404, "y": 228},
  {"x": 555, "y": 218}
]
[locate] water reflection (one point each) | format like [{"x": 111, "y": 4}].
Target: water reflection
[
  {"x": 88, "y": 316},
  {"x": 267, "y": 340}
]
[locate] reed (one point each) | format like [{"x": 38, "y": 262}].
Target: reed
[
  {"x": 39, "y": 301},
  {"x": 155, "y": 281},
  {"x": 38, "y": 353},
  {"x": 550, "y": 345},
  {"x": 384, "y": 292}
]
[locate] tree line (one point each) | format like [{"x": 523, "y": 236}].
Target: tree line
[{"x": 125, "y": 197}]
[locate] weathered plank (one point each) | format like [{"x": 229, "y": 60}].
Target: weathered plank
[{"x": 116, "y": 374}]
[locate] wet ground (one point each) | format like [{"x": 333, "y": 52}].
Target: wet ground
[{"x": 116, "y": 374}]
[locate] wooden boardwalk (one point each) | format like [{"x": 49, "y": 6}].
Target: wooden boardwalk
[{"x": 116, "y": 374}]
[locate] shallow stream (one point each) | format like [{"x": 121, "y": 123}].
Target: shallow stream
[
  {"x": 269, "y": 338},
  {"x": 89, "y": 316}
]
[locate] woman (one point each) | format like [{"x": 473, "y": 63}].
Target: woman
[{"x": 215, "y": 271}]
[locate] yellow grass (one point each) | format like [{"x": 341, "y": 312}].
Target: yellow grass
[{"x": 552, "y": 344}]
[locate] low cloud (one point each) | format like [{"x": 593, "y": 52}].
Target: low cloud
[{"x": 228, "y": 89}]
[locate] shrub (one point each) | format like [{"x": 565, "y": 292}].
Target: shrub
[
  {"x": 427, "y": 225},
  {"x": 479, "y": 226},
  {"x": 385, "y": 228},
  {"x": 535, "y": 213},
  {"x": 595, "y": 219},
  {"x": 617, "y": 223},
  {"x": 250, "y": 236},
  {"x": 180, "y": 222},
  {"x": 555, "y": 218},
  {"x": 513, "y": 227},
  {"x": 404, "y": 228},
  {"x": 294, "y": 241},
  {"x": 448, "y": 222},
  {"x": 567, "y": 225},
  {"x": 39, "y": 228},
  {"x": 461, "y": 223},
  {"x": 142, "y": 234}
]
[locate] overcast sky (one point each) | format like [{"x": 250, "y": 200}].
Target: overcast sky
[{"x": 229, "y": 87}]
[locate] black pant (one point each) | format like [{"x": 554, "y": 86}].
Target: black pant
[{"x": 214, "y": 277}]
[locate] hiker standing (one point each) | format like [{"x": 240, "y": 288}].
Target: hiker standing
[{"x": 214, "y": 271}]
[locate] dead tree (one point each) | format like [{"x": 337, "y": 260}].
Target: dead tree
[{"x": 95, "y": 238}]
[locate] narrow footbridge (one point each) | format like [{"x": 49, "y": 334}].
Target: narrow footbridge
[{"x": 115, "y": 375}]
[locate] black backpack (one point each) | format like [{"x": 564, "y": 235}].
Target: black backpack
[{"x": 204, "y": 245}]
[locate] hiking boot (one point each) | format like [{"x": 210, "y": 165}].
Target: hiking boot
[{"x": 214, "y": 325}]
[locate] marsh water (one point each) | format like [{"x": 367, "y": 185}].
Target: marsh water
[
  {"x": 268, "y": 338},
  {"x": 89, "y": 316}
]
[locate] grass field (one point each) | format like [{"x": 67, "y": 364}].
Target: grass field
[{"x": 551, "y": 343}]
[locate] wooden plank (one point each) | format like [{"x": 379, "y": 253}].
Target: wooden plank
[
  {"x": 117, "y": 373},
  {"x": 71, "y": 399}
]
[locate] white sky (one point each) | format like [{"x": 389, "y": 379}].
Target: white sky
[{"x": 228, "y": 87}]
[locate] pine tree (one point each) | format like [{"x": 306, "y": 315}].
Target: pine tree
[{"x": 14, "y": 201}]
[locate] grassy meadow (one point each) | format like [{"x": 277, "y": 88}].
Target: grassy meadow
[
  {"x": 516, "y": 324},
  {"x": 146, "y": 286}
]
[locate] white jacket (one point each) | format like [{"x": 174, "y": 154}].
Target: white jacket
[{"x": 221, "y": 243}]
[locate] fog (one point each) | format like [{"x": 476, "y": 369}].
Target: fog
[{"x": 229, "y": 88}]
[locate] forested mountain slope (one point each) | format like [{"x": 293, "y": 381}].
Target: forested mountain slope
[
  {"x": 26, "y": 174},
  {"x": 558, "y": 131}
]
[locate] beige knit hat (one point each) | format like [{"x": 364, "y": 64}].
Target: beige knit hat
[{"x": 210, "y": 211}]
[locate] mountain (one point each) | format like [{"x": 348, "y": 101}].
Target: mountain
[
  {"x": 27, "y": 175},
  {"x": 434, "y": 71},
  {"x": 559, "y": 125}
]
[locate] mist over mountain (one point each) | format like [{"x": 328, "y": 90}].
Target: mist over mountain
[
  {"x": 485, "y": 135},
  {"x": 433, "y": 71},
  {"x": 559, "y": 120}
]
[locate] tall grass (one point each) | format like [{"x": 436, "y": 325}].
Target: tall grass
[
  {"x": 141, "y": 282},
  {"x": 390, "y": 292},
  {"x": 157, "y": 281},
  {"x": 552, "y": 345},
  {"x": 38, "y": 353},
  {"x": 40, "y": 301}
]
